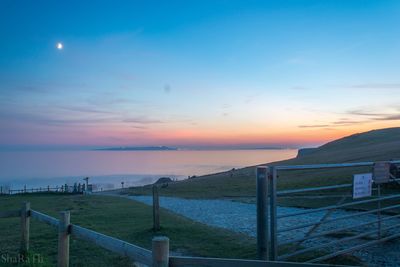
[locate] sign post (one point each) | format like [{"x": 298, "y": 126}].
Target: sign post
[
  {"x": 381, "y": 176},
  {"x": 381, "y": 172}
]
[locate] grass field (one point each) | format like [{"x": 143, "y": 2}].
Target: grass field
[
  {"x": 127, "y": 220},
  {"x": 117, "y": 217}
]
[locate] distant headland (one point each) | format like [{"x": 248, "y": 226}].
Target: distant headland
[{"x": 138, "y": 148}]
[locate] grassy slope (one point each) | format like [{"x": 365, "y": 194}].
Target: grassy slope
[
  {"x": 117, "y": 217},
  {"x": 381, "y": 144},
  {"x": 370, "y": 146}
]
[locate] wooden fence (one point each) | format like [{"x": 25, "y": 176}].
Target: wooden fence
[
  {"x": 60, "y": 189},
  {"x": 157, "y": 257}
]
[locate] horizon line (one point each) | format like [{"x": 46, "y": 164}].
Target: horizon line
[{"x": 5, "y": 148}]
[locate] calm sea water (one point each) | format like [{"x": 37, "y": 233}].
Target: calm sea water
[{"x": 108, "y": 169}]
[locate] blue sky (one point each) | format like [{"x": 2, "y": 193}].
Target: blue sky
[{"x": 196, "y": 73}]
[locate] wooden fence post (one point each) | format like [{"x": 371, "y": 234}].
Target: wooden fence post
[
  {"x": 262, "y": 213},
  {"x": 156, "y": 209},
  {"x": 25, "y": 213},
  {"x": 63, "y": 239},
  {"x": 160, "y": 249}
]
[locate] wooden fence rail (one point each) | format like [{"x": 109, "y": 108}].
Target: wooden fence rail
[
  {"x": 157, "y": 257},
  {"x": 176, "y": 261},
  {"x": 120, "y": 247}
]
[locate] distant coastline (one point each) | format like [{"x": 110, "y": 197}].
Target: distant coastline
[
  {"x": 134, "y": 148},
  {"x": 166, "y": 148}
]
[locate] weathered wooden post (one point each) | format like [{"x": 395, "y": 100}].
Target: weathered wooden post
[
  {"x": 160, "y": 248},
  {"x": 156, "y": 209},
  {"x": 379, "y": 213},
  {"x": 262, "y": 212},
  {"x": 63, "y": 239},
  {"x": 25, "y": 223}
]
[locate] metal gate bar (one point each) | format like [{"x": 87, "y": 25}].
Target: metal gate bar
[
  {"x": 337, "y": 230},
  {"x": 340, "y": 252},
  {"x": 308, "y": 211},
  {"x": 286, "y": 256},
  {"x": 338, "y": 218}
]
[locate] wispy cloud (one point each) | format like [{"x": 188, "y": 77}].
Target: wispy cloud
[
  {"x": 108, "y": 99},
  {"x": 362, "y": 112},
  {"x": 51, "y": 119},
  {"x": 84, "y": 109},
  {"x": 377, "y": 86},
  {"x": 74, "y": 114},
  {"x": 347, "y": 122},
  {"x": 393, "y": 117},
  {"x": 335, "y": 124},
  {"x": 377, "y": 116},
  {"x": 142, "y": 120},
  {"x": 314, "y": 126},
  {"x": 140, "y": 127},
  {"x": 359, "y": 116}
]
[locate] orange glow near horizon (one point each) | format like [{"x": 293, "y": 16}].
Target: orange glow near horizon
[{"x": 109, "y": 135}]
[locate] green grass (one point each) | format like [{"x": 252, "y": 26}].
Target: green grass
[{"x": 121, "y": 218}]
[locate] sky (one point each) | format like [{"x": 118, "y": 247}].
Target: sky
[{"x": 197, "y": 73}]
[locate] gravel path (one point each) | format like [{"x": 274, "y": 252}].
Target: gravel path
[{"x": 241, "y": 217}]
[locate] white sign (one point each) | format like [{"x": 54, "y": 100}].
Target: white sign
[{"x": 362, "y": 185}]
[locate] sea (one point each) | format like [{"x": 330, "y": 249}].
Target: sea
[{"x": 114, "y": 169}]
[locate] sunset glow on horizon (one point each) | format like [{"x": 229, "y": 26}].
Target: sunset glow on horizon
[{"x": 197, "y": 74}]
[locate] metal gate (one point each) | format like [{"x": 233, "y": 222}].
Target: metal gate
[{"x": 327, "y": 221}]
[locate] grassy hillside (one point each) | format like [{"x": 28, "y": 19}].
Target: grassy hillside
[{"x": 375, "y": 145}]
